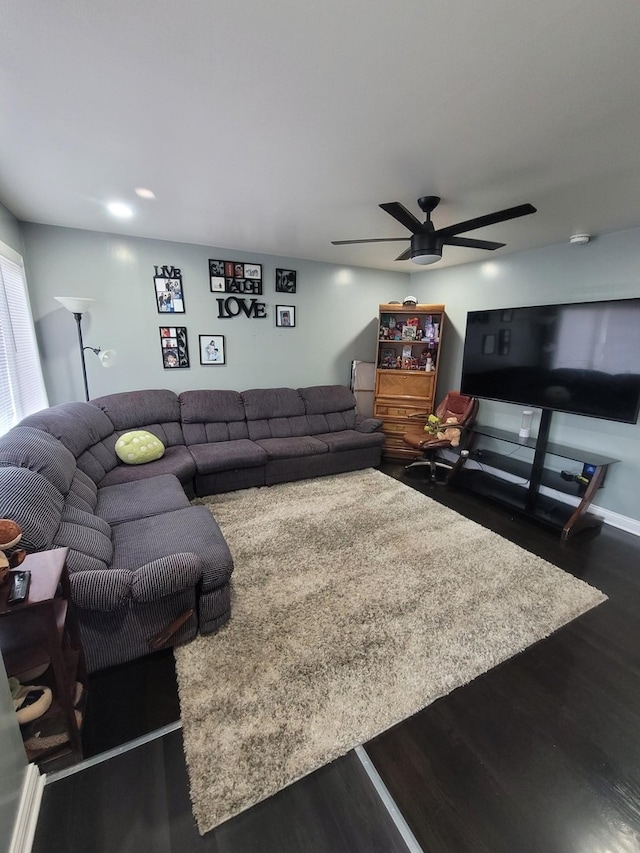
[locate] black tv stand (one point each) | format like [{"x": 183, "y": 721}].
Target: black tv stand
[{"x": 519, "y": 485}]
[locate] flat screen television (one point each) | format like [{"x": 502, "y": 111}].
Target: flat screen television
[{"x": 582, "y": 358}]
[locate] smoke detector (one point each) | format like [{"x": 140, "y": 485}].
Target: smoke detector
[{"x": 580, "y": 238}]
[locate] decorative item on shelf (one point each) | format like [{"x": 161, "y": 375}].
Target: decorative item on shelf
[
  {"x": 10, "y": 535},
  {"x": 408, "y": 333},
  {"x": 78, "y": 305},
  {"x": 387, "y": 358},
  {"x": 525, "y": 427},
  {"x": 235, "y": 277},
  {"x": 212, "y": 349},
  {"x": 168, "y": 290},
  {"x": 285, "y": 316},
  {"x": 429, "y": 329},
  {"x": 410, "y": 300},
  {"x": 175, "y": 350},
  {"x": 285, "y": 281}
]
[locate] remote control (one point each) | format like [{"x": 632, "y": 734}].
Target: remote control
[{"x": 19, "y": 588}]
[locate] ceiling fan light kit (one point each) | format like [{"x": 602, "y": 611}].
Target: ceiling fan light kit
[{"x": 426, "y": 241}]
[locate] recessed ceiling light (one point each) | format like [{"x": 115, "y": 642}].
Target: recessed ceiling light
[
  {"x": 145, "y": 193},
  {"x": 120, "y": 209}
]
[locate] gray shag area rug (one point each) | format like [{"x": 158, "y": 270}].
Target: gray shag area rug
[{"x": 356, "y": 602}]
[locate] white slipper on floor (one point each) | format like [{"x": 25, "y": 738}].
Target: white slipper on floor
[{"x": 30, "y": 701}]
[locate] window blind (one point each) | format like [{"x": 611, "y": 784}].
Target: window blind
[{"x": 22, "y": 388}]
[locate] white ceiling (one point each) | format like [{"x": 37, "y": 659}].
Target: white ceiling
[{"x": 278, "y": 126}]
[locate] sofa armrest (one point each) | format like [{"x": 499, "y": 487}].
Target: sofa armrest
[
  {"x": 367, "y": 424},
  {"x": 166, "y": 576},
  {"x": 101, "y": 589}
]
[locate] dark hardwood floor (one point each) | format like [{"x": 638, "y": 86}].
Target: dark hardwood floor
[{"x": 540, "y": 754}]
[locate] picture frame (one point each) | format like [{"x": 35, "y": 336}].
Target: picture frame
[
  {"x": 488, "y": 344},
  {"x": 235, "y": 277},
  {"x": 169, "y": 294},
  {"x": 212, "y": 350},
  {"x": 285, "y": 281},
  {"x": 409, "y": 333},
  {"x": 504, "y": 341},
  {"x": 285, "y": 316},
  {"x": 174, "y": 347}
]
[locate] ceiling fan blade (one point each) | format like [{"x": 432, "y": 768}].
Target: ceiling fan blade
[
  {"x": 405, "y": 255},
  {"x": 375, "y": 240},
  {"x": 472, "y": 244},
  {"x": 489, "y": 219},
  {"x": 404, "y": 216}
]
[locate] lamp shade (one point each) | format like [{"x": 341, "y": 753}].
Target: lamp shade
[
  {"x": 107, "y": 357},
  {"x": 75, "y": 304}
]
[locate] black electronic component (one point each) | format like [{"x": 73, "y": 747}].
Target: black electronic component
[{"x": 19, "y": 587}]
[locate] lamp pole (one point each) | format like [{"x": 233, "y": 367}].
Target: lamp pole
[{"x": 78, "y": 317}]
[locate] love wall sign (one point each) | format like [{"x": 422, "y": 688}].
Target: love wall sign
[{"x": 234, "y": 306}]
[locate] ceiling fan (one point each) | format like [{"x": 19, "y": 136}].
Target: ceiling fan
[{"x": 427, "y": 241}]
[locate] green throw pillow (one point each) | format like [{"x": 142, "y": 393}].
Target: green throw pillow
[{"x": 138, "y": 447}]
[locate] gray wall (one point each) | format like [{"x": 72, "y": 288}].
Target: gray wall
[
  {"x": 10, "y": 232},
  {"x": 606, "y": 268},
  {"x": 336, "y": 315},
  {"x": 13, "y": 760},
  {"x": 336, "y": 321}
]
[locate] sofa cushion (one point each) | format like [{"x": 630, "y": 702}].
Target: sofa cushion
[
  {"x": 28, "y": 447},
  {"x": 156, "y": 410},
  {"x": 83, "y": 492},
  {"x": 212, "y": 416},
  {"x": 34, "y": 503},
  {"x": 321, "y": 399},
  {"x": 77, "y": 425},
  {"x": 140, "y": 498},
  {"x": 350, "y": 439},
  {"x": 267, "y": 403},
  {"x": 86, "y": 540},
  {"x": 226, "y": 455},
  {"x": 87, "y": 519},
  {"x": 176, "y": 460},
  {"x": 138, "y": 447},
  {"x": 291, "y": 448},
  {"x": 192, "y": 530}
]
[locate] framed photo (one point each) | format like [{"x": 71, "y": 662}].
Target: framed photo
[
  {"x": 252, "y": 271},
  {"x": 488, "y": 344},
  {"x": 285, "y": 315},
  {"x": 504, "y": 341},
  {"x": 285, "y": 281},
  {"x": 173, "y": 343},
  {"x": 235, "y": 277},
  {"x": 409, "y": 333},
  {"x": 169, "y": 298},
  {"x": 212, "y": 349}
]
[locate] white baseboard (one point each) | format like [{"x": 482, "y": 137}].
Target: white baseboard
[{"x": 24, "y": 828}]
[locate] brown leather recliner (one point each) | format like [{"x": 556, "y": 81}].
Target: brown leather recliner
[{"x": 454, "y": 405}]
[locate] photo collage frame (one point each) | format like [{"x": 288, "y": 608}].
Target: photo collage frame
[
  {"x": 235, "y": 277},
  {"x": 175, "y": 349}
]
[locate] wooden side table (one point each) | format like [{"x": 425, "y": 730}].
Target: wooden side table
[{"x": 43, "y": 631}]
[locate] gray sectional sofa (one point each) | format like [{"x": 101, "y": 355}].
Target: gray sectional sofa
[{"x": 140, "y": 555}]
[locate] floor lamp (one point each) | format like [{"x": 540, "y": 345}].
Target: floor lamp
[{"x": 78, "y": 305}]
